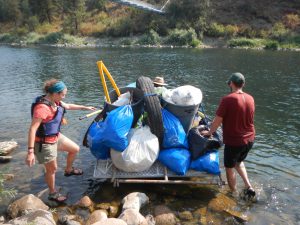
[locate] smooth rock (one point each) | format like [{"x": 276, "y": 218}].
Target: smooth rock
[
  {"x": 6, "y": 147},
  {"x": 134, "y": 200},
  {"x": 111, "y": 221},
  {"x": 5, "y": 159},
  {"x": 164, "y": 216},
  {"x": 96, "y": 216},
  {"x": 40, "y": 216},
  {"x": 133, "y": 217},
  {"x": 85, "y": 202},
  {"x": 25, "y": 205}
]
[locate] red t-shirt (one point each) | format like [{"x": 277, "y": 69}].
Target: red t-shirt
[
  {"x": 46, "y": 113},
  {"x": 237, "y": 111}
]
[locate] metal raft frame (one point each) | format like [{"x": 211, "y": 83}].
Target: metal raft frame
[{"x": 157, "y": 174}]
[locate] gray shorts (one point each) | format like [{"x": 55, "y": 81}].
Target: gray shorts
[{"x": 46, "y": 152}]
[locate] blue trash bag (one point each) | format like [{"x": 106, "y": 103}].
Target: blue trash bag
[
  {"x": 176, "y": 159},
  {"x": 116, "y": 127},
  {"x": 98, "y": 149},
  {"x": 208, "y": 163},
  {"x": 174, "y": 134}
]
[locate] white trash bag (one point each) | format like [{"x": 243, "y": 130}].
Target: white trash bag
[
  {"x": 186, "y": 95},
  {"x": 140, "y": 154},
  {"x": 123, "y": 99}
]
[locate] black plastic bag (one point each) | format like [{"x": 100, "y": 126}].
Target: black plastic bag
[{"x": 199, "y": 145}]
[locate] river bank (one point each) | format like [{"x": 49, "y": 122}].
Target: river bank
[{"x": 68, "y": 41}]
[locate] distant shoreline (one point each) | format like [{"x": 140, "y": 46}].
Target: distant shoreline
[{"x": 130, "y": 42}]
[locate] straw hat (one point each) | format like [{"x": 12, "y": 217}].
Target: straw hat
[{"x": 159, "y": 81}]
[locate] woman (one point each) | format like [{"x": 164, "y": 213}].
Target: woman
[{"x": 44, "y": 137}]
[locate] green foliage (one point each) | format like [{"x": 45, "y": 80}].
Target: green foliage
[
  {"x": 182, "y": 37},
  {"x": 7, "y": 38},
  {"x": 126, "y": 42},
  {"x": 244, "y": 42},
  {"x": 32, "y": 23},
  {"x": 272, "y": 45},
  {"x": 279, "y": 32},
  {"x": 231, "y": 30},
  {"x": 151, "y": 38},
  {"x": 53, "y": 38},
  {"x": 95, "y": 4},
  {"x": 216, "y": 30}
]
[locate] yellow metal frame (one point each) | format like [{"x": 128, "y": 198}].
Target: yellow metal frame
[{"x": 102, "y": 69}]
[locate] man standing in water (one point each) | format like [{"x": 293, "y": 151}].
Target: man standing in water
[{"x": 236, "y": 114}]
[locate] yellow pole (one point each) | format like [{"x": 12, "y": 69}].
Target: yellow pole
[
  {"x": 111, "y": 79},
  {"x": 100, "y": 67},
  {"x": 90, "y": 114}
]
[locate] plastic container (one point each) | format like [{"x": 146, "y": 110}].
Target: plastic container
[
  {"x": 185, "y": 114},
  {"x": 137, "y": 103}
]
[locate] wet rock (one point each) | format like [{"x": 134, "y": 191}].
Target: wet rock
[
  {"x": 186, "y": 215},
  {"x": 111, "y": 221},
  {"x": 82, "y": 213},
  {"x": 85, "y": 202},
  {"x": 25, "y": 205},
  {"x": 64, "y": 214},
  {"x": 6, "y": 147},
  {"x": 5, "y": 159},
  {"x": 104, "y": 206},
  {"x": 135, "y": 201},
  {"x": 113, "y": 211},
  {"x": 200, "y": 215},
  {"x": 133, "y": 217},
  {"x": 164, "y": 216},
  {"x": 96, "y": 216},
  {"x": 37, "y": 217},
  {"x": 150, "y": 219},
  {"x": 226, "y": 205}
]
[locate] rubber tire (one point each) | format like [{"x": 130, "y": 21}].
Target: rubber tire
[{"x": 152, "y": 107}]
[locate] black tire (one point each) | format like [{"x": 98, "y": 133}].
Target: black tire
[{"x": 152, "y": 107}]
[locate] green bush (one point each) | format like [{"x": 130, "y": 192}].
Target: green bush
[
  {"x": 216, "y": 30},
  {"x": 152, "y": 38},
  {"x": 272, "y": 45},
  {"x": 33, "y": 23},
  {"x": 5, "y": 192},
  {"x": 8, "y": 38},
  {"x": 231, "y": 30},
  {"x": 182, "y": 37},
  {"x": 126, "y": 42},
  {"x": 53, "y": 38},
  {"x": 243, "y": 42},
  {"x": 279, "y": 32}
]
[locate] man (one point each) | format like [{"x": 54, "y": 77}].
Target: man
[
  {"x": 236, "y": 114},
  {"x": 159, "y": 82}
]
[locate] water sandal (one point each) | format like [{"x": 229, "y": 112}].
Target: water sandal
[
  {"x": 57, "y": 197},
  {"x": 249, "y": 193},
  {"x": 74, "y": 171}
]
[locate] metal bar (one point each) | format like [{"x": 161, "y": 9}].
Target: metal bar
[{"x": 166, "y": 181}]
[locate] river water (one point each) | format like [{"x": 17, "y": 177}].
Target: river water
[{"x": 272, "y": 77}]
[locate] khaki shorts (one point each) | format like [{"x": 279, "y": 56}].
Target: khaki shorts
[{"x": 48, "y": 152}]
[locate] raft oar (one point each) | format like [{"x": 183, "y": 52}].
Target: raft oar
[{"x": 91, "y": 114}]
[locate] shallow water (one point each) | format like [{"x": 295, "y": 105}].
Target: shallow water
[{"x": 272, "y": 78}]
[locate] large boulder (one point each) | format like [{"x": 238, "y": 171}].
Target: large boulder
[
  {"x": 96, "y": 216},
  {"x": 111, "y": 221},
  {"x": 25, "y": 205},
  {"x": 36, "y": 217},
  {"x": 133, "y": 217},
  {"x": 6, "y": 147},
  {"x": 135, "y": 201}
]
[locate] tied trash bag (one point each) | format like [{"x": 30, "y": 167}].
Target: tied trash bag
[
  {"x": 98, "y": 149},
  {"x": 208, "y": 163},
  {"x": 199, "y": 144},
  {"x": 140, "y": 154},
  {"x": 174, "y": 134},
  {"x": 176, "y": 159},
  {"x": 112, "y": 132}
]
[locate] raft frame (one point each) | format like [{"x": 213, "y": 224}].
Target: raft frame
[{"x": 156, "y": 174}]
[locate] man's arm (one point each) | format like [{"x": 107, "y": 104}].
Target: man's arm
[{"x": 213, "y": 127}]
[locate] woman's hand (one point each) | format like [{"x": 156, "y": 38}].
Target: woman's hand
[
  {"x": 205, "y": 133},
  {"x": 90, "y": 108},
  {"x": 30, "y": 159}
]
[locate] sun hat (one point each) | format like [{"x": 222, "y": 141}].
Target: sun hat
[
  {"x": 159, "y": 81},
  {"x": 236, "y": 78}
]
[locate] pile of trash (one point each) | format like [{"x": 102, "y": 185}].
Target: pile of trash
[{"x": 132, "y": 147}]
